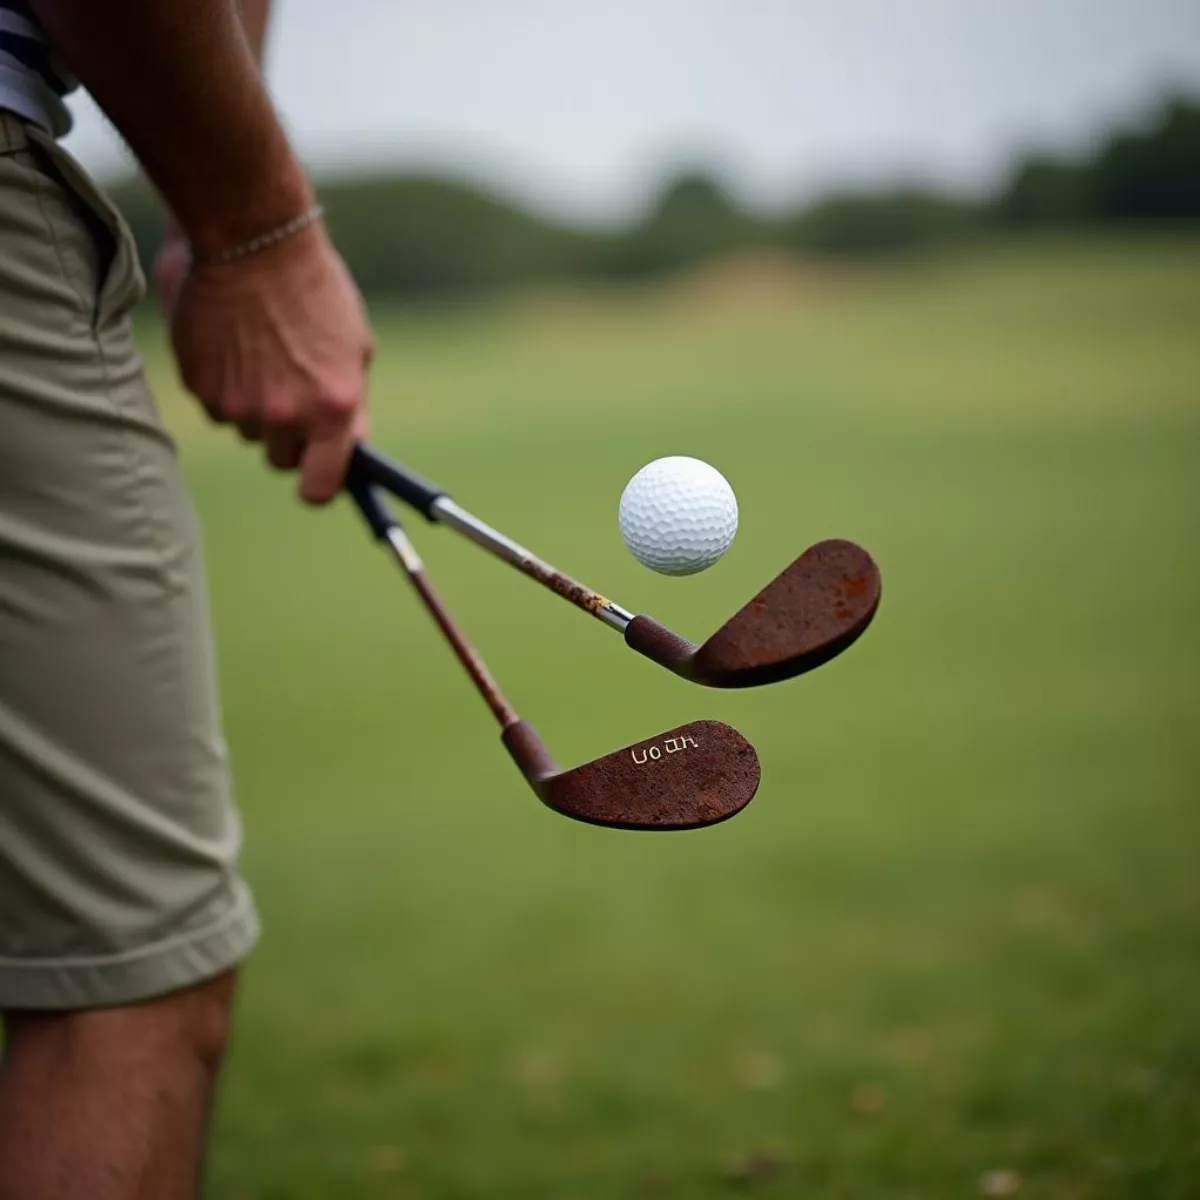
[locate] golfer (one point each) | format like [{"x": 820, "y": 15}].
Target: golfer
[{"x": 122, "y": 915}]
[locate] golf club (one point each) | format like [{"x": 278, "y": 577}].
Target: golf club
[
  {"x": 809, "y": 613},
  {"x": 695, "y": 775}
]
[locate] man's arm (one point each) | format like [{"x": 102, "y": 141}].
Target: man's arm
[
  {"x": 171, "y": 262},
  {"x": 180, "y": 82},
  {"x": 275, "y": 342},
  {"x": 256, "y": 15}
]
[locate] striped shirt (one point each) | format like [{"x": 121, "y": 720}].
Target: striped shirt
[{"x": 32, "y": 80}]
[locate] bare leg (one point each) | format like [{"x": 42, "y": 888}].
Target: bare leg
[{"x": 111, "y": 1103}]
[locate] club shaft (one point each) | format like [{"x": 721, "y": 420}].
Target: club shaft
[
  {"x": 405, "y": 553},
  {"x": 446, "y": 512},
  {"x": 368, "y": 464}
]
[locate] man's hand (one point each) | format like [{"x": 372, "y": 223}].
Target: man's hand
[
  {"x": 276, "y": 343},
  {"x": 170, "y": 267}
]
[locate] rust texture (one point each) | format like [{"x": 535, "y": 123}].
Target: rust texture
[
  {"x": 695, "y": 775},
  {"x": 522, "y": 742},
  {"x": 660, "y": 644},
  {"x": 470, "y": 658},
  {"x": 804, "y": 617},
  {"x": 564, "y": 585}
]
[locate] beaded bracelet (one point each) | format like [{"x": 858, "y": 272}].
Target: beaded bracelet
[{"x": 263, "y": 240}]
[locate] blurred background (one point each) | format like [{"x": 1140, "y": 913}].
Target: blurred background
[{"x": 926, "y": 276}]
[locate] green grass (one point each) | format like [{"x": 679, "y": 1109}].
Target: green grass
[{"x": 959, "y": 929}]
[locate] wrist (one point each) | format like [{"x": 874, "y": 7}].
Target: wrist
[
  {"x": 281, "y": 258},
  {"x": 214, "y": 231},
  {"x": 264, "y": 241}
]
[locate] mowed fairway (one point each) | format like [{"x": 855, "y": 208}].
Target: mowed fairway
[{"x": 958, "y": 931}]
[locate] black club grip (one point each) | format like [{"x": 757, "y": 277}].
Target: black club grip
[
  {"x": 370, "y": 503},
  {"x": 369, "y": 465}
]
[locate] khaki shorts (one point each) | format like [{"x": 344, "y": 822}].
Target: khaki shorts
[{"x": 118, "y": 835}]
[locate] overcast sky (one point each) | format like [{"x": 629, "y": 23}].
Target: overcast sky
[{"x": 580, "y": 107}]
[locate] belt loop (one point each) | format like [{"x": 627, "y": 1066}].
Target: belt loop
[{"x": 12, "y": 133}]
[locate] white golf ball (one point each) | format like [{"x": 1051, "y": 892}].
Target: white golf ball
[{"x": 678, "y": 515}]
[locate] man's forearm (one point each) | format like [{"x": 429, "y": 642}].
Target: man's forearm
[
  {"x": 179, "y": 80},
  {"x": 256, "y": 14}
]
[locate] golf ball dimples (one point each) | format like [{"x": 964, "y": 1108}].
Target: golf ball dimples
[{"x": 678, "y": 515}]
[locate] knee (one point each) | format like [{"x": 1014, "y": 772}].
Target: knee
[
  {"x": 210, "y": 1020},
  {"x": 202, "y": 1019},
  {"x": 188, "y": 1029}
]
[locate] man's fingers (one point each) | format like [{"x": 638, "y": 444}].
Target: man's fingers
[
  {"x": 250, "y": 428},
  {"x": 323, "y": 463},
  {"x": 170, "y": 270},
  {"x": 285, "y": 448}
]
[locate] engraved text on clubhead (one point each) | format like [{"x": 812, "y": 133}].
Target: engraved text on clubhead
[{"x": 672, "y": 746}]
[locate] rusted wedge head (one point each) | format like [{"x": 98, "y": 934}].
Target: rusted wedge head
[
  {"x": 695, "y": 775},
  {"x": 804, "y": 617}
]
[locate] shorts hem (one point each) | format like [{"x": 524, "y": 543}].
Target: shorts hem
[{"x": 175, "y": 963}]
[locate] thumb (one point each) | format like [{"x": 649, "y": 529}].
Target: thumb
[
  {"x": 324, "y": 462},
  {"x": 170, "y": 269}
]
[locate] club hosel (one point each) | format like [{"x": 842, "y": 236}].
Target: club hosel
[
  {"x": 522, "y": 742},
  {"x": 660, "y": 644}
]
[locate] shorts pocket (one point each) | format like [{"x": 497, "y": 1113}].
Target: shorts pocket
[{"x": 121, "y": 283}]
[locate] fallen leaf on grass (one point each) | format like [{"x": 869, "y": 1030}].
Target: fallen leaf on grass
[
  {"x": 759, "y": 1071},
  {"x": 999, "y": 1183},
  {"x": 868, "y": 1099},
  {"x": 750, "y": 1169},
  {"x": 537, "y": 1069},
  {"x": 388, "y": 1160}
]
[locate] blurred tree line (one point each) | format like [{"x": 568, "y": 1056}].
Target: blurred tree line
[{"x": 416, "y": 236}]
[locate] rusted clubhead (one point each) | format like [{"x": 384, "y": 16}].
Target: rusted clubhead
[
  {"x": 695, "y": 775},
  {"x": 804, "y": 617}
]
